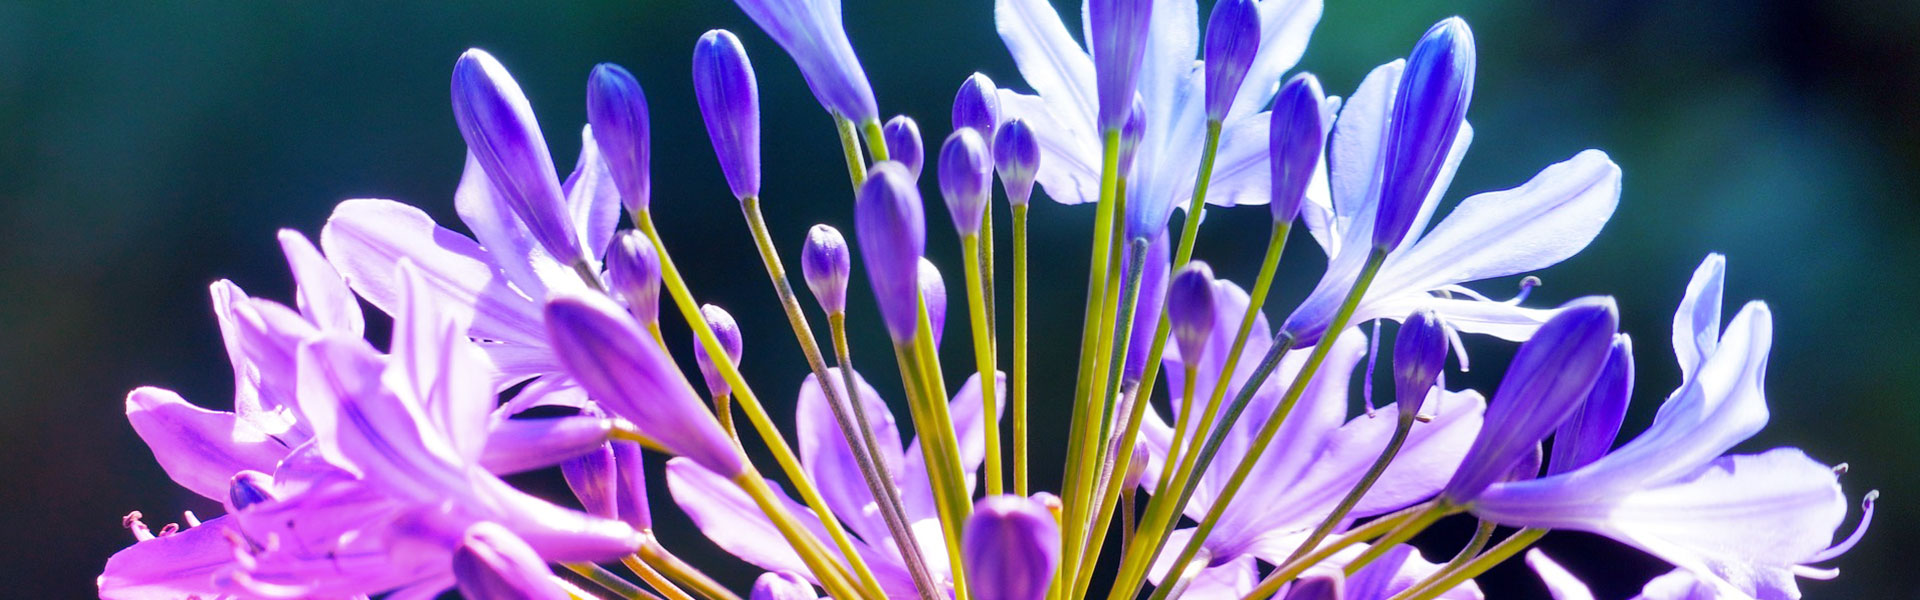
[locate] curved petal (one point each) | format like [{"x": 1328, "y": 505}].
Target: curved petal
[
  {"x": 559, "y": 534},
  {"x": 1696, "y": 324},
  {"x": 322, "y": 295},
  {"x": 1049, "y": 60},
  {"x": 592, "y": 198},
  {"x": 366, "y": 239},
  {"x": 357, "y": 421},
  {"x": 1503, "y": 320},
  {"x": 829, "y": 459},
  {"x": 1227, "y": 580},
  {"x": 507, "y": 244},
  {"x": 732, "y": 521},
  {"x": 1069, "y": 168},
  {"x": 1241, "y": 175},
  {"x": 436, "y": 362},
  {"x": 200, "y": 449},
  {"x": 518, "y": 445},
  {"x": 1523, "y": 229},
  {"x": 180, "y": 565},
  {"x": 1561, "y": 584},
  {"x": 1354, "y": 155}
]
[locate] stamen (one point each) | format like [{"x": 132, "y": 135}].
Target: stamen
[
  {"x": 1526, "y": 288},
  {"x": 191, "y": 519},
  {"x": 1840, "y": 469},
  {"x": 132, "y": 523},
  {"x": 1859, "y": 530}
]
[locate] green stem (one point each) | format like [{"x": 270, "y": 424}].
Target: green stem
[
  {"x": 983, "y": 358},
  {"x": 609, "y": 581},
  {"x": 1081, "y": 445},
  {"x": 750, "y": 404},
  {"x": 1018, "y": 389},
  {"x": 811, "y": 554},
  {"x": 902, "y": 533},
  {"x": 1293, "y": 568},
  {"x": 1506, "y": 549},
  {"x": 850, "y": 147},
  {"x": 870, "y": 465},
  {"x": 723, "y": 408},
  {"x": 876, "y": 139},
  {"x": 655, "y": 579},
  {"x": 656, "y": 556},
  {"x": 1400, "y": 432},
  {"x": 1420, "y": 522}
]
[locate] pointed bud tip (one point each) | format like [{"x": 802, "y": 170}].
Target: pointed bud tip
[
  {"x": 1297, "y": 140},
  {"x": 977, "y": 105},
  {"x": 1190, "y": 309},
  {"x": 1016, "y": 154},
  {"x": 966, "y": 178},
  {"x": 825, "y": 264},
  {"x": 617, "y": 110},
  {"x": 904, "y": 145},
  {"x": 729, "y": 99},
  {"x": 1233, "y": 40}
]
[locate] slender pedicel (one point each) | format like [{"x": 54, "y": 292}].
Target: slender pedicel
[
  {"x": 966, "y": 181},
  {"x": 1428, "y": 110},
  {"x": 611, "y": 582},
  {"x": 656, "y": 557},
  {"x": 1016, "y": 156}
]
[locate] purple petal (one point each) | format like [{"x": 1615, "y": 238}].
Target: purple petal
[
  {"x": 171, "y": 567},
  {"x": 1049, "y": 60},
  {"x": 1428, "y": 112},
  {"x": 505, "y": 242},
  {"x": 1069, "y": 166},
  {"x": 436, "y": 362},
  {"x": 732, "y": 521},
  {"x": 1011, "y": 546},
  {"x": 892, "y": 234},
  {"x": 1589, "y": 433},
  {"x": 357, "y": 421},
  {"x": 593, "y": 198},
  {"x": 620, "y": 366},
  {"x": 519, "y": 445},
  {"x": 1284, "y": 29},
  {"x": 782, "y": 586},
  {"x": 493, "y": 564},
  {"x": 811, "y": 32},
  {"x": 323, "y": 296},
  {"x": 199, "y": 448},
  {"x": 830, "y": 461}
]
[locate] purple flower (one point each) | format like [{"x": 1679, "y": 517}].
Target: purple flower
[
  {"x": 826, "y": 265},
  {"x": 1419, "y": 355},
  {"x": 892, "y": 235},
  {"x": 633, "y": 275},
  {"x": 730, "y": 105},
  {"x": 966, "y": 178},
  {"x": 505, "y": 141},
  {"x": 1233, "y": 40},
  {"x": 1063, "y": 108},
  {"x": 617, "y": 110},
  {"x": 1550, "y": 376},
  {"x": 811, "y": 32},
  {"x": 977, "y": 105},
  {"x": 1117, "y": 35},
  {"x": 902, "y": 135},
  {"x": 728, "y": 332},
  {"x": 1315, "y": 459},
  {"x": 1017, "y": 157},
  {"x": 731, "y": 520},
  {"x": 1190, "y": 309},
  {"x": 1011, "y": 546},
  {"x": 1427, "y": 116},
  {"x": 1299, "y": 138},
  {"x": 782, "y": 586},
  {"x": 621, "y": 367},
  {"x": 494, "y": 564},
  {"x": 1744, "y": 525},
  {"x": 1589, "y": 433},
  {"x": 1488, "y": 235}
]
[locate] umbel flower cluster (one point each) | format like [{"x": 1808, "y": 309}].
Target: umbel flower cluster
[{"x": 1260, "y": 469}]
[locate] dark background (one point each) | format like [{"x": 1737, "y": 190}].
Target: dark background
[{"x": 148, "y": 151}]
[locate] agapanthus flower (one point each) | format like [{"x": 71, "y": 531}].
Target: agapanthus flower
[{"x": 1744, "y": 524}]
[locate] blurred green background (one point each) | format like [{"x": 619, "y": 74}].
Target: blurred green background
[{"x": 149, "y": 150}]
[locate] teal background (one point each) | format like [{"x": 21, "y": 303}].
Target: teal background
[{"x": 148, "y": 150}]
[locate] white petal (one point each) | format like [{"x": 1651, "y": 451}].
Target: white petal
[
  {"x": 1696, "y": 324},
  {"x": 1070, "y": 157},
  {"x": 1050, "y": 61}
]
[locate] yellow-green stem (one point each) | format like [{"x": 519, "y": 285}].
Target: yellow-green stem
[
  {"x": 1081, "y": 447},
  {"x": 610, "y": 581},
  {"x": 655, "y": 579},
  {"x": 983, "y": 358},
  {"x": 1293, "y": 568},
  {"x": 1400, "y": 431},
  {"x": 1506, "y": 549},
  {"x": 876, "y": 140},
  {"x": 657, "y": 557},
  {"x": 756, "y": 413},
  {"x": 1420, "y": 522},
  {"x": 850, "y": 148},
  {"x": 889, "y": 495},
  {"x": 809, "y": 549},
  {"x": 1018, "y": 387},
  {"x": 723, "y": 408}
]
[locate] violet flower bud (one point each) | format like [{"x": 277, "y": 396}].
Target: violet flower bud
[
  {"x": 1233, "y": 39},
  {"x": 933, "y": 291},
  {"x": 966, "y": 178},
  {"x": 630, "y": 501},
  {"x": 782, "y": 585},
  {"x": 633, "y": 275},
  {"x": 592, "y": 478},
  {"x": 1016, "y": 154},
  {"x": 494, "y": 564},
  {"x": 1419, "y": 354},
  {"x": 1118, "y": 32},
  {"x": 248, "y": 488},
  {"x": 1190, "y": 310},
  {"x": 497, "y": 122},
  {"x": 902, "y": 135},
  {"x": 730, "y": 104},
  {"x": 977, "y": 105},
  {"x": 825, "y": 263},
  {"x": 892, "y": 231},
  {"x": 728, "y": 332},
  {"x": 617, "y": 110},
  {"x": 1428, "y": 110},
  {"x": 1589, "y": 433},
  {"x": 1010, "y": 546},
  {"x": 1298, "y": 138},
  {"x": 621, "y": 367},
  {"x": 1551, "y": 374},
  {"x": 812, "y": 33}
]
